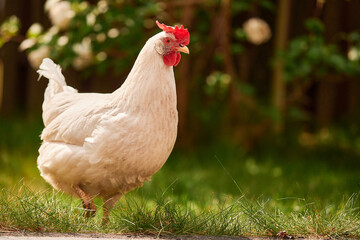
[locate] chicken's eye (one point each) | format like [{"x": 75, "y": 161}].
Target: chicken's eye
[{"x": 167, "y": 40}]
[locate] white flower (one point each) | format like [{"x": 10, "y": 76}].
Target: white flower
[
  {"x": 101, "y": 37},
  {"x": 225, "y": 79},
  {"x": 97, "y": 27},
  {"x": 129, "y": 22},
  {"x": 83, "y": 48},
  {"x": 101, "y": 56},
  {"x": 50, "y": 4},
  {"x": 60, "y": 13},
  {"x": 27, "y": 43},
  {"x": 113, "y": 33},
  {"x": 53, "y": 30},
  {"x": 47, "y": 37},
  {"x": 11, "y": 26},
  {"x": 91, "y": 19},
  {"x": 63, "y": 40},
  {"x": 83, "y": 5},
  {"x": 211, "y": 80},
  {"x": 353, "y": 54},
  {"x": 35, "y": 57},
  {"x": 257, "y": 31},
  {"x": 34, "y": 30},
  {"x": 103, "y": 6},
  {"x": 84, "y": 54}
]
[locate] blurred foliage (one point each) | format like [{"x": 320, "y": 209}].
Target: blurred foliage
[
  {"x": 246, "y": 5},
  {"x": 217, "y": 84},
  {"x": 8, "y": 29},
  {"x": 99, "y": 37},
  {"x": 104, "y": 37},
  {"x": 109, "y": 34},
  {"x": 309, "y": 55}
]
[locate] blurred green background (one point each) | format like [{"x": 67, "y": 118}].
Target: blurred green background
[{"x": 270, "y": 89}]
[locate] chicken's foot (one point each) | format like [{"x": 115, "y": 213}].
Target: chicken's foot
[
  {"x": 109, "y": 203},
  {"x": 88, "y": 203}
]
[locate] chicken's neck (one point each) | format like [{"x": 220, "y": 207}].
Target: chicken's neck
[{"x": 149, "y": 83}]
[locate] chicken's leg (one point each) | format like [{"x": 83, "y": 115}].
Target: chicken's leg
[
  {"x": 109, "y": 203},
  {"x": 88, "y": 203}
]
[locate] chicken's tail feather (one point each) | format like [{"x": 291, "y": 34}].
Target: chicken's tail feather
[{"x": 52, "y": 72}]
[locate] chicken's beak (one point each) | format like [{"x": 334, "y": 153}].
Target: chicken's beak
[{"x": 183, "y": 49}]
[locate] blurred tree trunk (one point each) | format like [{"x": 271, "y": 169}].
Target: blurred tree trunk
[
  {"x": 2, "y": 17},
  {"x": 278, "y": 84},
  {"x": 325, "y": 102},
  {"x": 225, "y": 42},
  {"x": 244, "y": 129},
  {"x": 224, "y": 38},
  {"x": 20, "y": 89},
  {"x": 353, "y": 97},
  {"x": 35, "y": 89},
  {"x": 10, "y": 96},
  {"x": 351, "y": 12},
  {"x": 1, "y": 82},
  {"x": 7, "y": 88},
  {"x": 327, "y": 88},
  {"x": 183, "y": 76}
]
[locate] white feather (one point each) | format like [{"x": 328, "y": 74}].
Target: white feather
[{"x": 51, "y": 71}]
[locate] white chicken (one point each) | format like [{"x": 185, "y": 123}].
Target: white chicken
[{"x": 104, "y": 145}]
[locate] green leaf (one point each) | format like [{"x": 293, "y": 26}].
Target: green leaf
[
  {"x": 267, "y": 4},
  {"x": 240, "y": 34},
  {"x": 237, "y": 49},
  {"x": 314, "y": 25},
  {"x": 354, "y": 36},
  {"x": 298, "y": 114},
  {"x": 297, "y": 47},
  {"x": 338, "y": 62},
  {"x": 315, "y": 54},
  {"x": 240, "y": 6},
  {"x": 245, "y": 88}
]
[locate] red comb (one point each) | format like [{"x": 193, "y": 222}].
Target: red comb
[{"x": 181, "y": 34}]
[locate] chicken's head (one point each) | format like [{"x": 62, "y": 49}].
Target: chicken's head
[{"x": 173, "y": 43}]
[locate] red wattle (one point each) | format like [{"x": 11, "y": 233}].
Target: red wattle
[
  {"x": 172, "y": 59},
  {"x": 178, "y": 57}
]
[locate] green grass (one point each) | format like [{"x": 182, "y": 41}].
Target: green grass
[
  {"x": 48, "y": 211},
  {"x": 221, "y": 190}
]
